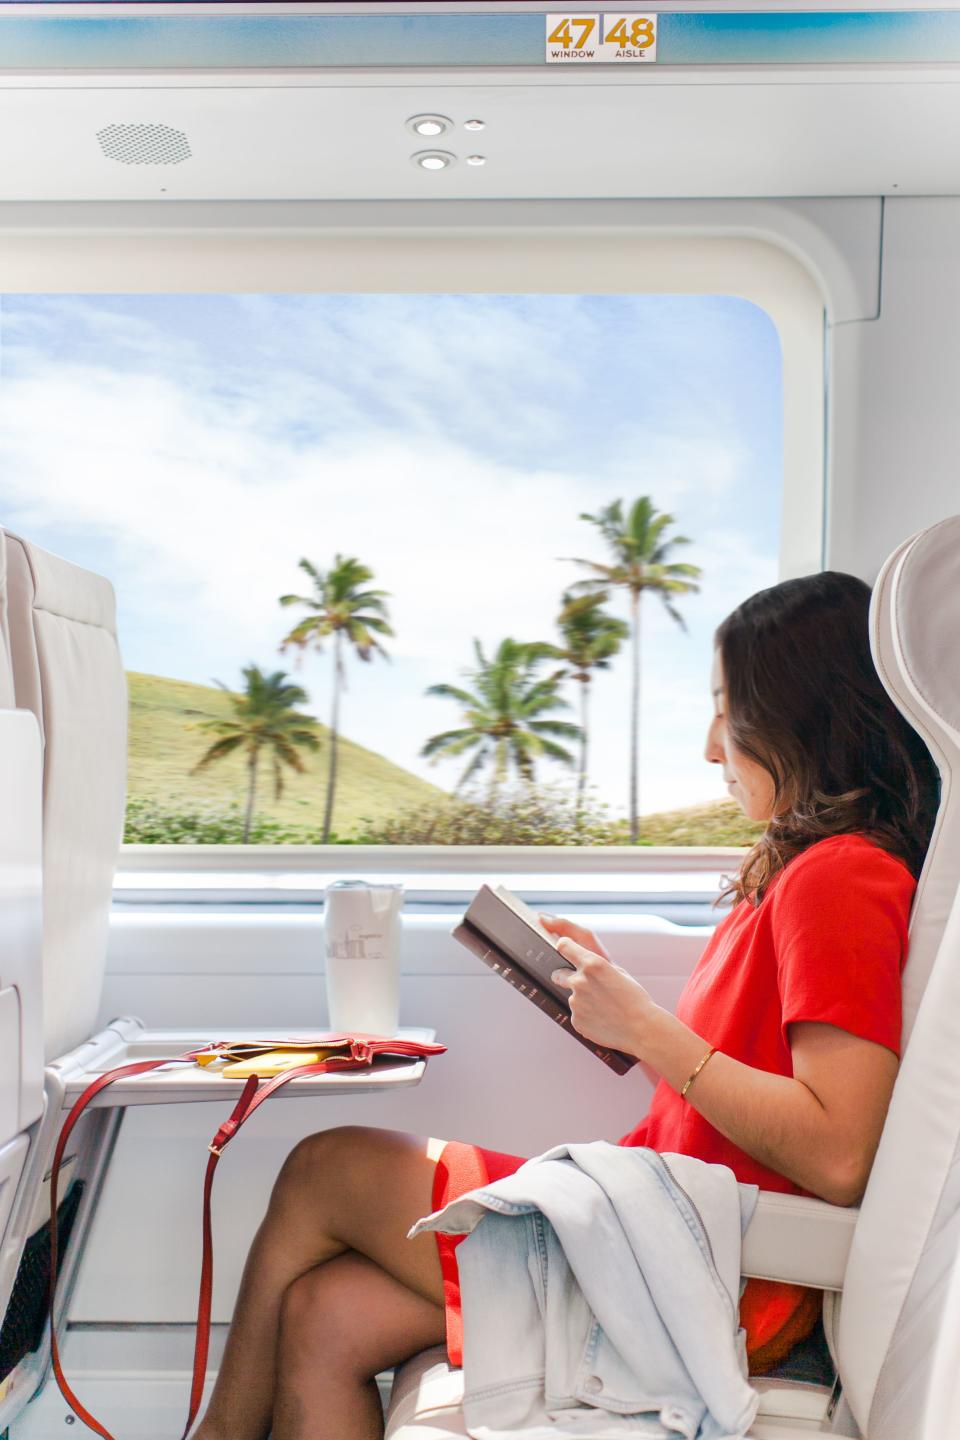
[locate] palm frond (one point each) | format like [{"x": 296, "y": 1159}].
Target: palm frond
[{"x": 223, "y": 747}]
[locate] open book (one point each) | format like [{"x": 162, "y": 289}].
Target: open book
[{"x": 505, "y": 934}]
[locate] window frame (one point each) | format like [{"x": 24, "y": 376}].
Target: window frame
[{"x": 752, "y": 251}]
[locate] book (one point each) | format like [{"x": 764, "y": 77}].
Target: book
[{"x": 503, "y": 932}]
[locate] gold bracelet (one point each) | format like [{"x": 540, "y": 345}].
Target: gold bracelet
[{"x": 690, "y": 1080}]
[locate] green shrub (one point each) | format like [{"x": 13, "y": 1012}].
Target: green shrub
[
  {"x": 150, "y": 824},
  {"x": 540, "y": 815}
]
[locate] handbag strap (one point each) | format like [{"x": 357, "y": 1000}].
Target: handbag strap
[{"x": 253, "y": 1094}]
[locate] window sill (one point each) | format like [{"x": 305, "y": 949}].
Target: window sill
[{"x": 431, "y": 875}]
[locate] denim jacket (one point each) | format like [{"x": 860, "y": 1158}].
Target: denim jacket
[{"x": 600, "y": 1287}]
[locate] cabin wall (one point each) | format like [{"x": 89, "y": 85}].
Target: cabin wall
[{"x": 893, "y": 393}]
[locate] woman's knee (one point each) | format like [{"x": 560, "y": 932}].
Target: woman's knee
[
  {"x": 320, "y": 1156},
  {"x": 352, "y": 1316},
  {"x": 306, "y": 1322}
]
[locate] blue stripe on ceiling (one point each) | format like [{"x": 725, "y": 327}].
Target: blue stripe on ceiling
[{"x": 218, "y": 41}]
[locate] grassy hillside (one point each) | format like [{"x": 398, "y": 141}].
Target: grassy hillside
[{"x": 163, "y": 748}]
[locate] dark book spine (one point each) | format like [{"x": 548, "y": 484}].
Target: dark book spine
[{"x": 531, "y": 988}]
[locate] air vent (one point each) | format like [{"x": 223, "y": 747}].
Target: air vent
[{"x": 144, "y": 144}]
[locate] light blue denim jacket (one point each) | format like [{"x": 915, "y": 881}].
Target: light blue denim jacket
[{"x": 600, "y": 1287}]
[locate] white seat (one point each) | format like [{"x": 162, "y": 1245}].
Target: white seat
[
  {"x": 21, "y": 991},
  {"x": 903, "y": 1241},
  {"x": 63, "y": 665}
]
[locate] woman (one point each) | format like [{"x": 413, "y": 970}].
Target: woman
[{"x": 779, "y": 1061}]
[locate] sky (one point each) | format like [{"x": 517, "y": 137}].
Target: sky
[{"x": 193, "y": 448}]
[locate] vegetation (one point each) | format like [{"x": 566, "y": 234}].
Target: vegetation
[
  {"x": 501, "y": 713},
  {"x": 164, "y": 747},
  {"x": 640, "y": 548},
  {"x": 553, "y": 816},
  {"x": 150, "y": 823},
  {"x": 341, "y": 607},
  {"x": 263, "y": 722},
  {"x": 528, "y": 818},
  {"x": 509, "y": 723}
]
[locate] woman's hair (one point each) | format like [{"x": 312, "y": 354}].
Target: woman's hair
[{"x": 804, "y": 700}]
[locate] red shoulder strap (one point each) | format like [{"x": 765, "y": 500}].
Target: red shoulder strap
[{"x": 361, "y": 1052}]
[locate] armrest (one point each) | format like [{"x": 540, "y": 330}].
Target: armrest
[{"x": 799, "y": 1240}]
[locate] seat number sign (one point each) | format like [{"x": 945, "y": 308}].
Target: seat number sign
[{"x": 576, "y": 39}]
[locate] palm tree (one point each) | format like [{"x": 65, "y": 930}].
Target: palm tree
[
  {"x": 640, "y": 549},
  {"x": 501, "y": 715},
  {"x": 590, "y": 639},
  {"x": 263, "y": 720},
  {"x": 341, "y": 607}
]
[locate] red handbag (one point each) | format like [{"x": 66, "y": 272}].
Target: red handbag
[{"x": 358, "y": 1050}]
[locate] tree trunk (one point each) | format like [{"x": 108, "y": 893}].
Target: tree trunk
[
  {"x": 251, "y": 794},
  {"x": 635, "y": 721},
  {"x": 334, "y": 725},
  {"x": 499, "y": 773},
  {"x": 584, "y": 715}
]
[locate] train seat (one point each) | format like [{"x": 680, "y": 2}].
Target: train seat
[
  {"x": 893, "y": 1259},
  {"x": 21, "y": 993},
  {"x": 68, "y": 685}
]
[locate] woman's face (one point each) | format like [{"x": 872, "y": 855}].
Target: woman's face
[{"x": 747, "y": 782}]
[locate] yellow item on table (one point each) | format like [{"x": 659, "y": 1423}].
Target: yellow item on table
[{"x": 273, "y": 1062}]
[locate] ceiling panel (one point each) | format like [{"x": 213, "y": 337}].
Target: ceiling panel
[{"x": 302, "y": 141}]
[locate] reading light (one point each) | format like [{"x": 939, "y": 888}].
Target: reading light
[
  {"x": 476, "y": 159},
  {"x": 429, "y": 125},
  {"x": 433, "y": 159},
  {"x": 473, "y": 124}
]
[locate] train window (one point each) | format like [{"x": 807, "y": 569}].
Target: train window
[
  {"x": 190, "y": 414},
  {"x": 408, "y": 569}
]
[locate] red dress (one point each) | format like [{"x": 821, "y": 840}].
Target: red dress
[{"x": 826, "y": 943}]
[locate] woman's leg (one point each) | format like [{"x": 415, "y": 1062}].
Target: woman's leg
[
  {"x": 350, "y": 1188},
  {"x": 340, "y": 1325}
]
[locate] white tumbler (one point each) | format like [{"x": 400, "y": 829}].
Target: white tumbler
[{"x": 361, "y": 926}]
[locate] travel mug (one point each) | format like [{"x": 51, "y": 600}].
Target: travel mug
[{"x": 361, "y": 926}]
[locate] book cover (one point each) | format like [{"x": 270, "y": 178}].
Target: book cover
[
  {"x": 525, "y": 968},
  {"x": 498, "y": 915}
]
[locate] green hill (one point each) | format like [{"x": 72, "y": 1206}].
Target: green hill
[
  {"x": 716, "y": 822},
  {"x": 163, "y": 747}
]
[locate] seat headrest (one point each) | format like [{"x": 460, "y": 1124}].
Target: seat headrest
[{"x": 914, "y": 622}]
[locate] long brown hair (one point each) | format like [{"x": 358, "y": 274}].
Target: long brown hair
[{"x": 804, "y": 700}]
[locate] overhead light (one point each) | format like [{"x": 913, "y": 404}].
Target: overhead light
[
  {"x": 476, "y": 159},
  {"x": 429, "y": 125},
  {"x": 473, "y": 124},
  {"x": 433, "y": 159}
]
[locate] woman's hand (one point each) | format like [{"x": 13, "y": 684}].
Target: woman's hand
[
  {"x": 606, "y": 1004},
  {"x": 560, "y": 927}
]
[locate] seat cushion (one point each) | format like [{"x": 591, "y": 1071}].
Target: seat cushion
[{"x": 427, "y": 1395}]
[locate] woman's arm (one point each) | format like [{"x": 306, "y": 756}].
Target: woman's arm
[{"x": 820, "y": 1128}]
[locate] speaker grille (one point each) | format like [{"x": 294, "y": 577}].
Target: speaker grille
[{"x": 144, "y": 144}]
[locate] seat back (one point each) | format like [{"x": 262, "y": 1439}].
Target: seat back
[
  {"x": 21, "y": 988},
  {"x": 67, "y": 670},
  {"x": 942, "y": 1416},
  {"x": 909, "y": 1224}
]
